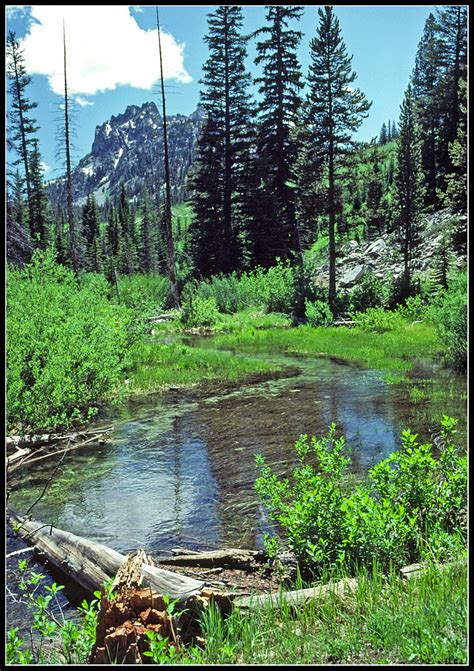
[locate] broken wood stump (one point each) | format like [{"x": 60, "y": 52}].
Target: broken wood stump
[{"x": 90, "y": 564}]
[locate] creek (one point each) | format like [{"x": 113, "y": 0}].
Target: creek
[{"x": 180, "y": 468}]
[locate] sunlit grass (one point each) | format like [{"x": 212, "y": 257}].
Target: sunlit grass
[
  {"x": 384, "y": 620},
  {"x": 155, "y": 366},
  {"x": 392, "y": 351}
]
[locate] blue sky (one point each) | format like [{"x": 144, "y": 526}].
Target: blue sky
[{"x": 105, "y": 76}]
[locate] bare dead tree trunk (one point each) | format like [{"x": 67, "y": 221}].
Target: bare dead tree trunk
[
  {"x": 70, "y": 216},
  {"x": 171, "y": 261}
]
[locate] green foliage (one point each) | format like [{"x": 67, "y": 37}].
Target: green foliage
[
  {"x": 145, "y": 294},
  {"x": 273, "y": 289},
  {"x": 318, "y": 313},
  {"x": 448, "y": 313},
  {"x": 370, "y": 292},
  {"x": 200, "y": 312},
  {"x": 409, "y": 496},
  {"x": 378, "y": 320},
  {"x": 65, "y": 344},
  {"x": 413, "y": 309}
]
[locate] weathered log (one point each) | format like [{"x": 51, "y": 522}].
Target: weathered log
[
  {"x": 295, "y": 598},
  {"x": 226, "y": 558},
  {"x": 29, "y": 456},
  {"x": 90, "y": 563},
  {"x": 40, "y": 439}
]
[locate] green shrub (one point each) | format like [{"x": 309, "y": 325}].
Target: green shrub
[
  {"x": 449, "y": 315},
  {"x": 410, "y": 497},
  {"x": 318, "y": 313},
  {"x": 200, "y": 312},
  {"x": 145, "y": 294},
  {"x": 371, "y": 292},
  {"x": 378, "y": 320},
  {"x": 413, "y": 309},
  {"x": 65, "y": 344}
]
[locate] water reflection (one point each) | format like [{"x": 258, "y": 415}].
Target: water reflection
[{"x": 180, "y": 470}]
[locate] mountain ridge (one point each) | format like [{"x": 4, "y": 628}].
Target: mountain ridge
[{"x": 128, "y": 148}]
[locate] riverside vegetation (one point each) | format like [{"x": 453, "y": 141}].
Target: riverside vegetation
[{"x": 272, "y": 248}]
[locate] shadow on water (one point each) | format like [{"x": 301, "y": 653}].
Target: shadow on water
[{"x": 181, "y": 466}]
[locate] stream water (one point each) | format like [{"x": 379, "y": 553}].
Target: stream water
[{"x": 180, "y": 468}]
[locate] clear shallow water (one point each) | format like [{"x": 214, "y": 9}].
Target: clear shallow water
[{"x": 181, "y": 466}]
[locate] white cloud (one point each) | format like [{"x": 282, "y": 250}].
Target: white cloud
[
  {"x": 105, "y": 49},
  {"x": 45, "y": 166},
  {"x": 82, "y": 102}
]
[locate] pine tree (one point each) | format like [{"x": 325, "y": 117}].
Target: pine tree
[
  {"x": 375, "y": 191},
  {"x": 22, "y": 126},
  {"x": 280, "y": 87},
  {"x": 149, "y": 235},
  {"x": 223, "y": 153},
  {"x": 409, "y": 181},
  {"x": 91, "y": 234},
  {"x": 394, "y": 131},
  {"x": 38, "y": 200},
  {"x": 389, "y": 131},
  {"x": 456, "y": 181},
  {"x": 126, "y": 251},
  {"x": 334, "y": 112},
  {"x": 426, "y": 92},
  {"x": 383, "y": 138}
]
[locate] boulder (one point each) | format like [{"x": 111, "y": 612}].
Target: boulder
[
  {"x": 353, "y": 276},
  {"x": 376, "y": 247}
]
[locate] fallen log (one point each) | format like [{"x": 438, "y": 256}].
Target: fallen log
[
  {"x": 227, "y": 558},
  {"x": 28, "y": 456},
  {"x": 295, "y": 598},
  {"x": 90, "y": 564},
  {"x": 40, "y": 439}
]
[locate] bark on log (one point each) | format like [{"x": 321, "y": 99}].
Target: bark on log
[
  {"x": 90, "y": 563},
  {"x": 296, "y": 598},
  {"x": 226, "y": 558}
]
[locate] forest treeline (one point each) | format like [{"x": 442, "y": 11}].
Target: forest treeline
[{"x": 272, "y": 175}]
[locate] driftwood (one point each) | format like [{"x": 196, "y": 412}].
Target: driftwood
[
  {"x": 40, "y": 439},
  {"x": 233, "y": 558},
  {"x": 90, "y": 563},
  {"x": 295, "y": 598},
  {"x": 158, "y": 319},
  {"x": 30, "y": 454}
]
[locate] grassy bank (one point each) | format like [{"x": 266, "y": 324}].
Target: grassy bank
[
  {"x": 154, "y": 366},
  {"x": 393, "y": 350},
  {"x": 386, "y": 620}
]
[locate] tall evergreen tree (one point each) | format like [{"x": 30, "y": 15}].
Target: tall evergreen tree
[
  {"x": 38, "y": 200},
  {"x": 91, "y": 234},
  {"x": 456, "y": 181},
  {"x": 335, "y": 110},
  {"x": 150, "y": 238},
  {"x": 426, "y": 91},
  {"x": 409, "y": 181},
  {"x": 22, "y": 125},
  {"x": 375, "y": 191},
  {"x": 280, "y": 88},
  {"x": 223, "y": 151},
  {"x": 383, "y": 138}
]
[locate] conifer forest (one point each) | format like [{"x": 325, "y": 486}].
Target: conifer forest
[{"x": 236, "y": 335}]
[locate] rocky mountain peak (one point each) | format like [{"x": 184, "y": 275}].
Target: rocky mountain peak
[{"x": 128, "y": 148}]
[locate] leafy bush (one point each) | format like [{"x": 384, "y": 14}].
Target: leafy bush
[
  {"x": 200, "y": 312},
  {"x": 65, "y": 344},
  {"x": 449, "y": 315},
  {"x": 414, "y": 308},
  {"x": 409, "y": 497},
  {"x": 318, "y": 313},
  {"x": 378, "y": 320},
  {"x": 273, "y": 289},
  {"x": 371, "y": 292},
  {"x": 145, "y": 294}
]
